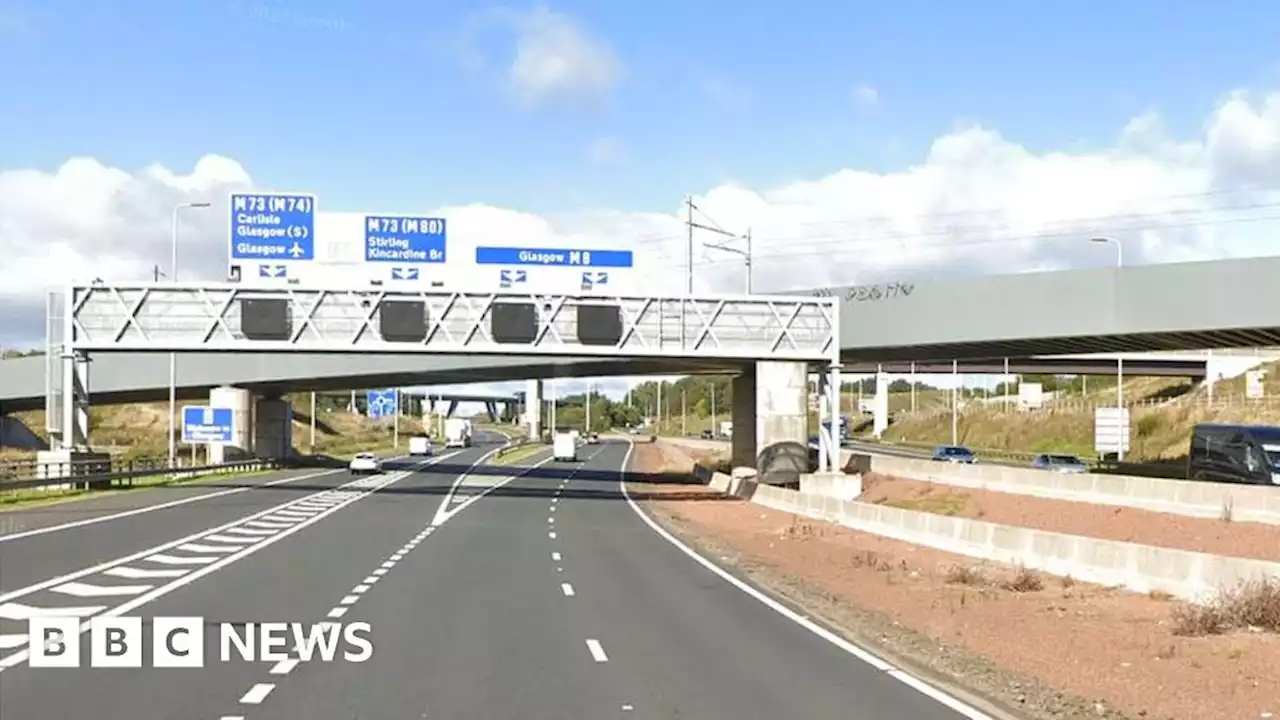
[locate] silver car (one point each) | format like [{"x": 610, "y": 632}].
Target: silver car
[{"x": 1059, "y": 463}]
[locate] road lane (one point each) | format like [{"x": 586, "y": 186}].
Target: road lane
[
  {"x": 302, "y": 578},
  {"x": 481, "y": 630},
  {"x": 550, "y": 598},
  {"x": 29, "y": 558}
]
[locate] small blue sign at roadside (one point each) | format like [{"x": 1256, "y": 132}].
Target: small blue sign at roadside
[
  {"x": 552, "y": 257},
  {"x": 273, "y": 226},
  {"x": 204, "y": 424},
  {"x": 382, "y": 403},
  {"x": 403, "y": 240}
]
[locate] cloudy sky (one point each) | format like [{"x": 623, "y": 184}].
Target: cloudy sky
[{"x": 857, "y": 142}]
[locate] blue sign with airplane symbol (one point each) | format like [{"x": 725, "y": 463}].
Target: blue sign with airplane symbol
[{"x": 273, "y": 226}]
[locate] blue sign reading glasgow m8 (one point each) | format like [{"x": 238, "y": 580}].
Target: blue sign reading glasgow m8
[
  {"x": 273, "y": 226},
  {"x": 404, "y": 239},
  {"x": 553, "y": 257}
]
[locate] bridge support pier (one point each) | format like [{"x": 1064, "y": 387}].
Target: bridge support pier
[
  {"x": 75, "y": 402},
  {"x": 491, "y": 409},
  {"x": 742, "y": 391},
  {"x": 241, "y": 403},
  {"x": 272, "y": 428},
  {"x": 453, "y": 408},
  {"x": 533, "y": 408},
  {"x": 771, "y": 421}
]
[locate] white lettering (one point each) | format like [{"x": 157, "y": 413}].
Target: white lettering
[
  {"x": 350, "y": 633},
  {"x": 274, "y": 639},
  {"x": 244, "y": 643},
  {"x": 325, "y": 636}
]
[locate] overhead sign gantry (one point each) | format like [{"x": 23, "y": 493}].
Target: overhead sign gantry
[{"x": 196, "y": 317}]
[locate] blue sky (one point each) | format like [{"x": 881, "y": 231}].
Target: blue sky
[{"x": 371, "y": 104}]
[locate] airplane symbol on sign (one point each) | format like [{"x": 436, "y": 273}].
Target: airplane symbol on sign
[{"x": 296, "y": 251}]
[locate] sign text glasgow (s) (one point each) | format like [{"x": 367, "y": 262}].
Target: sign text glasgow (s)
[{"x": 273, "y": 226}]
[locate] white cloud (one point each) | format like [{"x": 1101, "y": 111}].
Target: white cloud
[
  {"x": 976, "y": 203},
  {"x": 607, "y": 151},
  {"x": 867, "y": 95},
  {"x": 558, "y": 59}
]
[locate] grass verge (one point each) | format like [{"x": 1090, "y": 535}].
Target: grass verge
[
  {"x": 35, "y": 497},
  {"x": 515, "y": 455}
]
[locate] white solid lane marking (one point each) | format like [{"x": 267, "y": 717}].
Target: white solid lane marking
[
  {"x": 180, "y": 560},
  {"x": 232, "y": 539},
  {"x": 264, "y": 525},
  {"x": 231, "y": 717},
  {"x": 133, "y": 573},
  {"x": 555, "y": 556},
  {"x": 445, "y": 512},
  {"x": 257, "y": 693},
  {"x": 18, "y": 611},
  {"x": 199, "y": 548},
  {"x": 153, "y": 508},
  {"x": 11, "y": 641},
  {"x": 284, "y": 666},
  {"x": 567, "y": 589},
  {"x": 84, "y": 590},
  {"x": 898, "y": 674},
  {"x": 597, "y": 650},
  {"x": 185, "y": 580},
  {"x": 337, "y": 612},
  {"x": 256, "y": 531}
]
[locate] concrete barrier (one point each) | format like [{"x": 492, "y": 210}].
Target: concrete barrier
[
  {"x": 1240, "y": 503},
  {"x": 1244, "y": 503},
  {"x": 843, "y": 487},
  {"x": 1193, "y": 576}
]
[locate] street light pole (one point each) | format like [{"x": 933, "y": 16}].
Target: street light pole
[
  {"x": 173, "y": 357},
  {"x": 1119, "y": 361}
]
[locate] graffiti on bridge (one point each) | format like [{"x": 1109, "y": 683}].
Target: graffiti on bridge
[{"x": 870, "y": 293}]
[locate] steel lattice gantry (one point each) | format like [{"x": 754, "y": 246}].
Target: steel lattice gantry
[
  {"x": 183, "y": 317},
  {"x": 203, "y": 317}
]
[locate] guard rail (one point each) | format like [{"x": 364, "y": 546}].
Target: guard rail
[{"x": 110, "y": 472}]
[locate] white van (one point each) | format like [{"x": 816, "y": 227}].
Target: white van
[
  {"x": 421, "y": 445},
  {"x": 564, "y": 447}
]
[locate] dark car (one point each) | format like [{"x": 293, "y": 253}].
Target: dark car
[
  {"x": 954, "y": 454},
  {"x": 1235, "y": 453}
]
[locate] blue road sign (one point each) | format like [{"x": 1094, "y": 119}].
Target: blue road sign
[
  {"x": 273, "y": 226},
  {"x": 547, "y": 256},
  {"x": 273, "y": 271},
  {"x": 404, "y": 273},
  {"x": 204, "y": 424},
  {"x": 382, "y": 403},
  {"x": 592, "y": 278},
  {"x": 404, "y": 239},
  {"x": 507, "y": 278}
]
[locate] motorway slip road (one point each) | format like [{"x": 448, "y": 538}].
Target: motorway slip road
[{"x": 544, "y": 597}]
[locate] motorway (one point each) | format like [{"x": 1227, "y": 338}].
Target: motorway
[{"x": 546, "y": 595}]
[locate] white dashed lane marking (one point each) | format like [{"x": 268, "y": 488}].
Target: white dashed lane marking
[
  {"x": 597, "y": 650},
  {"x": 567, "y": 589}
]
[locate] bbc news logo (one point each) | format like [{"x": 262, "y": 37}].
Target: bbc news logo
[{"x": 179, "y": 642}]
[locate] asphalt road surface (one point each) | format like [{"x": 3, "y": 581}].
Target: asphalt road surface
[{"x": 486, "y": 597}]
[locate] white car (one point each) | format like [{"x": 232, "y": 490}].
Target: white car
[{"x": 365, "y": 464}]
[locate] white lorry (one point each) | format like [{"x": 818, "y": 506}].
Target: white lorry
[
  {"x": 564, "y": 447},
  {"x": 457, "y": 433}
]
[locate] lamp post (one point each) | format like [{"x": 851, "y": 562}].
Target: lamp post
[
  {"x": 173, "y": 357},
  {"x": 1119, "y": 360}
]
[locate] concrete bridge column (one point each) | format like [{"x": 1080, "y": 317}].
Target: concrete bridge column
[
  {"x": 533, "y": 408},
  {"x": 491, "y": 409},
  {"x": 742, "y": 391},
  {"x": 453, "y": 408},
  {"x": 241, "y": 403},
  {"x": 272, "y": 428},
  {"x": 782, "y": 421}
]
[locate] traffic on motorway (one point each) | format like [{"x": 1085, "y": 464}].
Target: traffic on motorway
[{"x": 440, "y": 584}]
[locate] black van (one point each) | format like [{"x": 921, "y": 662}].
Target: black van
[{"x": 1235, "y": 453}]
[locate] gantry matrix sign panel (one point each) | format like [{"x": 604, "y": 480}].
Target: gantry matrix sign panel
[{"x": 190, "y": 317}]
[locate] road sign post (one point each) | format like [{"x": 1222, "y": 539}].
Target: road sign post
[
  {"x": 202, "y": 424},
  {"x": 405, "y": 243},
  {"x": 270, "y": 231}
]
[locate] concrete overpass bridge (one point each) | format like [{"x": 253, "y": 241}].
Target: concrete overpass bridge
[{"x": 1171, "y": 307}]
